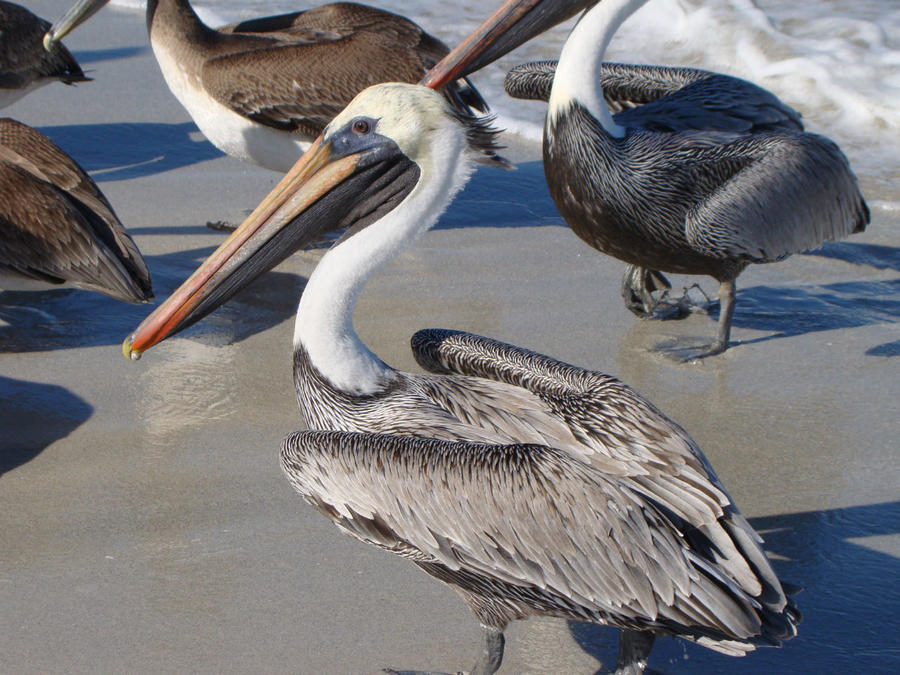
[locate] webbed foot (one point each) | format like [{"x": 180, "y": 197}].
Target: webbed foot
[
  {"x": 221, "y": 226},
  {"x": 647, "y": 293},
  {"x": 638, "y": 286}
]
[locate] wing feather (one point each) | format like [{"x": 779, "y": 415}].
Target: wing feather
[
  {"x": 617, "y": 432},
  {"x": 308, "y": 65},
  {"x": 753, "y": 217},
  {"x": 23, "y": 55},
  {"x": 664, "y": 98},
  {"x": 56, "y": 224},
  {"x": 526, "y": 515}
]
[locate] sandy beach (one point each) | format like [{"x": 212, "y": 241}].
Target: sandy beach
[{"x": 144, "y": 521}]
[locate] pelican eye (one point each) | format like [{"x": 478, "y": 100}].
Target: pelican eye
[{"x": 361, "y": 127}]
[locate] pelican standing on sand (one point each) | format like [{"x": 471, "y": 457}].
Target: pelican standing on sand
[
  {"x": 262, "y": 90},
  {"x": 705, "y": 175},
  {"x": 57, "y": 227},
  {"x": 530, "y": 486},
  {"x": 24, "y": 63}
]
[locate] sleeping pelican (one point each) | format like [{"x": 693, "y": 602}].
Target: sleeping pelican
[
  {"x": 57, "y": 227},
  {"x": 24, "y": 64},
  {"x": 697, "y": 173},
  {"x": 262, "y": 90},
  {"x": 530, "y": 486}
]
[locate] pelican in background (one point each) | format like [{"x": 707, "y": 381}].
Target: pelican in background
[
  {"x": 696, "y": 173},
  {"x": 262, "y": 90},
  {"x": 57, "y": 227},
  {"x": 24, "y": 64},
  {"x": 530, "y": 486}
]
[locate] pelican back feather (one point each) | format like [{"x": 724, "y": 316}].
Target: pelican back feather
[
  {"x": 621, "y": 434},
  {"x": 310, "y": 64},
  {"x": 700, "y": 202},
  {"x": 530, "y": 529},
  {"x": 23, "y": 58},
  {"x": 665, "y": 98},
  {"x": 753, "y": 218},
  {"x": 56, "y": 224}
]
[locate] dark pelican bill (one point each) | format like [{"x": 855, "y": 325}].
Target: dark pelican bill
[{"x": 511, "y": 25}]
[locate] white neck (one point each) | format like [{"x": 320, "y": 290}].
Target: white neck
[
  {"x": 578, "y": 72},
  {"x": 324, "y": 324}
]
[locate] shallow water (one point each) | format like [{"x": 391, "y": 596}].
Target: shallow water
[
  {"x": 144, "y": 520},
  {"x": 837, "y": 62}
]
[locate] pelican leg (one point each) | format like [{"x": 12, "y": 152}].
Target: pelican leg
[
  {"x": 634, "y": 650},
  {"x": 488, "y": 661},
  {"x": 726, "y": 314},
  {"x": 491, "y": 653}
]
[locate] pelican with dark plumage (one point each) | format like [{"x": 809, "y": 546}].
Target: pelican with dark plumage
[
  {"x": 24, "y": 64},
  {"x": 56, "y": 227},
  {"x": 530, "y": 486},
  {"x": 261, "y": 90},
  {"x": 670, "y": 169}
]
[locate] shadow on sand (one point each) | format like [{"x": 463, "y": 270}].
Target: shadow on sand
[
  {"x": 123, "y": 151},
  {"x": 787, "y": 311},
  {"x": 69, "y": 318},
  {"x": 874, "y": 255},
  {"x": 96, "y": 55},
  {"x": 34, "y": 415},
  {"x": 849, "y": 600},
  {"x": 489, "y": 196}
]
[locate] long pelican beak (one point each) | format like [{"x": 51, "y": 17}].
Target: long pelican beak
[
  {"x": 513, "y": 24},
  {"x": 78, "y": 13},
  {"x": 321, "y": 193}
]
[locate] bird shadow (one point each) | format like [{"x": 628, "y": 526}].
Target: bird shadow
[
  {"x": 874, "y": 255},
  {"x": 787, "y": 311},
  {"x": 34, "y": 415},
  {"x": 72, "y": 318},
  {"x": 887, "y": 349},
  {"x": 122, "y": 151},
  {"x": 517, "y": 198},
  {"x": 849, "y": 601},
  {"x": 96, "y": 55}
]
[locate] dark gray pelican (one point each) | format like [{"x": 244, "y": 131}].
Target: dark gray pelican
[
  {"x": 532, "y": 487},
  {"x": 695, "y": 173},
  {"x": 56, "y": 226},
  {"x": 24, "y": 64},
  {"x": 263, "y": 89}
]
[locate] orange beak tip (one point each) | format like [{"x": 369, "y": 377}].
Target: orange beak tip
[{"x": 128, "y": 351}]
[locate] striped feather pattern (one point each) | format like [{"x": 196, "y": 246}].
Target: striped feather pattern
[
  {"x": 572, "y": 543},
  {"x": 23, "y": 59},
  {"x": 56, "y": 225},
  {"x": 700, "y": 202},
  {"x": 297, "y": 71},
  {"x": 666, "y": 98},
  {"x": 533, "y": 486}
]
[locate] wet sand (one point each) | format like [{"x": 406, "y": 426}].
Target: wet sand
[{"x": 145, "y": 523}]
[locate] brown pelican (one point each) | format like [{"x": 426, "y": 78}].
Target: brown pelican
[
  {"x": 56, "y": 226},
  {"x": 263, "y": 89},
  {"x": 698, "y": 173},
  {"x": 24, "y": 64},
  {"x": 532, "y": 487}
]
